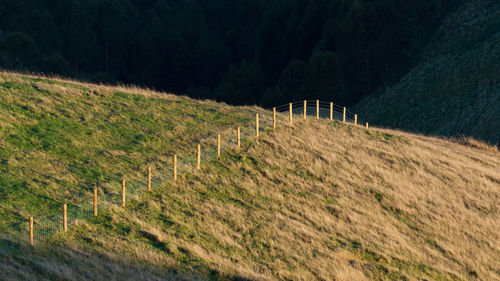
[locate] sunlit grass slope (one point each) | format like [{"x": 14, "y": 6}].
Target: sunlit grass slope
[
  {"x": 59, "y": 139},
  {"x": 317, "y": 201}
]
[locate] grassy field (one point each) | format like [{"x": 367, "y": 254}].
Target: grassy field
[
  {"x": 320, "y": 200},
  {"x": 455, "y": 89},
  {"x": 59, "y": 139}
]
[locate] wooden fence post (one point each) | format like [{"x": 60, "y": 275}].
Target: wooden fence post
[
  {"x": 343, "y": 116},
  {"x": 65, "y": 218},
  {"x": 305, "y": 109},
  {"x": 175, "y": 167},
  {"x": 123, "y": 193},
  {"x": 32, "y": 238},
  {"x": 274, "y": 118},
  {"x": 218, "y": 145},
  {"x": 355, "y": 119},
  {"x": 317, "y": 109},
  {"x": 238, "y": 142},
  {"x": 95, "y": 201},
  {"x": 257, "y": 125},
  {"x": 198, "y": 157},
  {"x": 367, "y": 125},
  {"x": 331, "y": 111},
  {"x": 291, "y": 114},
  {"x": 149, "y": 178}
]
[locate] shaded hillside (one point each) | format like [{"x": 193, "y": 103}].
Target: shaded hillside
[
  {"x": 320, "y": 200},
  {"x": 455, "y": 89}
]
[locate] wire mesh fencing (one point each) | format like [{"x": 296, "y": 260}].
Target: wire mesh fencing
[
  {"x": 319, "y": 109},
  {"x": 40, "y": 228}
]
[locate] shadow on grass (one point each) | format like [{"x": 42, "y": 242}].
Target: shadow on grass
[{"x": 54, "y": 261}]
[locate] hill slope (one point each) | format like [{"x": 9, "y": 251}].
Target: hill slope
[
  {"x": 317, "y": 201},
  {"x": 59, "y": 139},
  {"x": 456, "y": 88}
]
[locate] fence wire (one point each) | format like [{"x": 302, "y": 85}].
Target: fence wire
[{"x": 17, "y": 234}]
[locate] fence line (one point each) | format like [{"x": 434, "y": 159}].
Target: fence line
[
  {"x": 39, "y": 228},
  {"x": 325, "y": 110}
]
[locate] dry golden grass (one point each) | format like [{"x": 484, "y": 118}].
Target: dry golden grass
[
  {"x": 421, "y": 200},
  {"x": 316, "y": 201},
  {"x": 320, "y": 202},
  {"x": 103, "y": 89},
  {"x": 475, "y": 143}
]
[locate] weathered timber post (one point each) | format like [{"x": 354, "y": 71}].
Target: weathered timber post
[
  {"x": 343, "y": 116},
  {"x": 95, "y": 202},
  {"x": 65, "y": 218},
  {"x": 123, "y": 193},
  {"x": 218, "y": 145},
  {"x": 257, "y": 125},
  {"x": 149, "y": 178},
  {"x": 331, "y": 111},
  {"x": 355, "y": 119},
  {"x": 198, "y": 157},
  {"x": 290, "y": 118},
  {"x": 305, "y": 109},
  {"x": 32, "y": 238},
  {"x": 317, "y": 109},
  {"x": 238, "y": 134},
  {"x": 274, "y": 118},
  {"x": 175, "y": 167}
]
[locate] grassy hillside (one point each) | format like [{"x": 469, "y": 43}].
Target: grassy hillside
[
  {"x": 455, "y": 89},
  {"x": 59, "y": 139},
  {"x": 317, "y": 201}
]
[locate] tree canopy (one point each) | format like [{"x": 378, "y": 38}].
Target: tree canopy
[{"x": 259, "y": 51}]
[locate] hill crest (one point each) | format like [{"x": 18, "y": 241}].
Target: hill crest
[{"x": 370, "y": 204}]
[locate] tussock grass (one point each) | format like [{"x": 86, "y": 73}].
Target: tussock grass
[
  {"x": 317, "y": 201},
  {"x": 475, "y": 143}
]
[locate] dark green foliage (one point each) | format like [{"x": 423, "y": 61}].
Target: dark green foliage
[
  {"x": 322, "y": 79},
  {"x": 453, "y": 91},
  {"x": 241, "y": 83},
  {"x": 264, "y": 52},
  {"x": 19, "y": 51}
]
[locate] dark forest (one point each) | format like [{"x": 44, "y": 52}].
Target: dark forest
[{"x": 242, "y": 52}]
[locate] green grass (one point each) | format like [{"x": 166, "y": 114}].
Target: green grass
[
  {"x": 61, "y": 139},
  {"x": 317, "y": 201}
]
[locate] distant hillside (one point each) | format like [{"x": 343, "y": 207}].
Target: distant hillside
[
  {"x": 321, "y": 200},
  {"x": 455, "y": 90}
]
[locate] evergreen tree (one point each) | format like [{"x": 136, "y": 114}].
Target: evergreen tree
[
  {"x": 322, "y": 78},
  {"x": 242, "y": 83},
  {"x": 19, "y": 51},
  {"x": 342, "y": 49}
]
